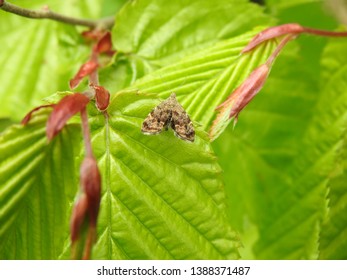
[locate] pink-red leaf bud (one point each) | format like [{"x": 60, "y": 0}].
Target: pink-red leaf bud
[{"x": 102, "y": 97}]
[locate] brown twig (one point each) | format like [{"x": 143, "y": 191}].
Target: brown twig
[{"x": 104, "y": 23}]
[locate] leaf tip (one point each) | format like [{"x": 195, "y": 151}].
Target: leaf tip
[
  {"x": 86, "y": 69},
  {"x": 28, "y": 116}
]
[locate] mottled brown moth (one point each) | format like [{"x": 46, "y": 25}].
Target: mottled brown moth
[{"x": 169, "y": 113}]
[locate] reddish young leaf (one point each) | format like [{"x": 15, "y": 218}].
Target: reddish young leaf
[
  {"x": 102, "y": 97},
  {"x": 63, "y": 111},
  {"x": 91, "y": 185},
  {"x": 28, "y": 116},
  {"x": 273, "y": 32},
  {"x": 234, "y": 104},
  {"x": 86, "y": 69},
  {"x": 104, "y": 45}
]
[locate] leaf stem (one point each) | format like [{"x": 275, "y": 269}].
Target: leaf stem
[
  {"x": 86, "y": 133},
  {"x": 45, "y": 13},
  {"x": 325, "y": 32}
]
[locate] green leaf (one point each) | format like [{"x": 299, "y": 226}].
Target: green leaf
[
  {"x": 167, "y": 30},
  {"x": 203, "y": 81},
  {"x": 110, "y": 7},
  {"x": 162, "y": 197},
  {"x": 4, "y": 123},
  {"x": 333, "y": 242},
  {"x": 37, "y": 186},
  {"x": 151, "y": 34}
]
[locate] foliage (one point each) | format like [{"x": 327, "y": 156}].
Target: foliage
[{"x": 275, "y": 183}]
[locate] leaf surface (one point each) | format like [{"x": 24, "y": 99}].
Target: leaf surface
[
  {"x": 151, "y": 34},
  {"x": 162, "y": 197},
  {"x": 37, "y": 188},
  {"x": 333, "y": 241}
]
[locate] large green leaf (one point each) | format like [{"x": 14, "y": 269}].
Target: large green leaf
[
  {"x": 151, "y": 34},
  {"x": 37, "y": 187},
  {"x": 164, "y": 31},
  {"x": 162, "y": 197}
]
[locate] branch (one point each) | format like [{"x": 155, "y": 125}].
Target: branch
[{"x": 45, "y": 13}]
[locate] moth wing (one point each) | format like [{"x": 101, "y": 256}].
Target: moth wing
[
  {"x": 182, "y": 125},
  {"x": 157, "y": 120}
]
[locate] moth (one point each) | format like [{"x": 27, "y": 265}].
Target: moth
[{"x": 169, "y": 113}]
